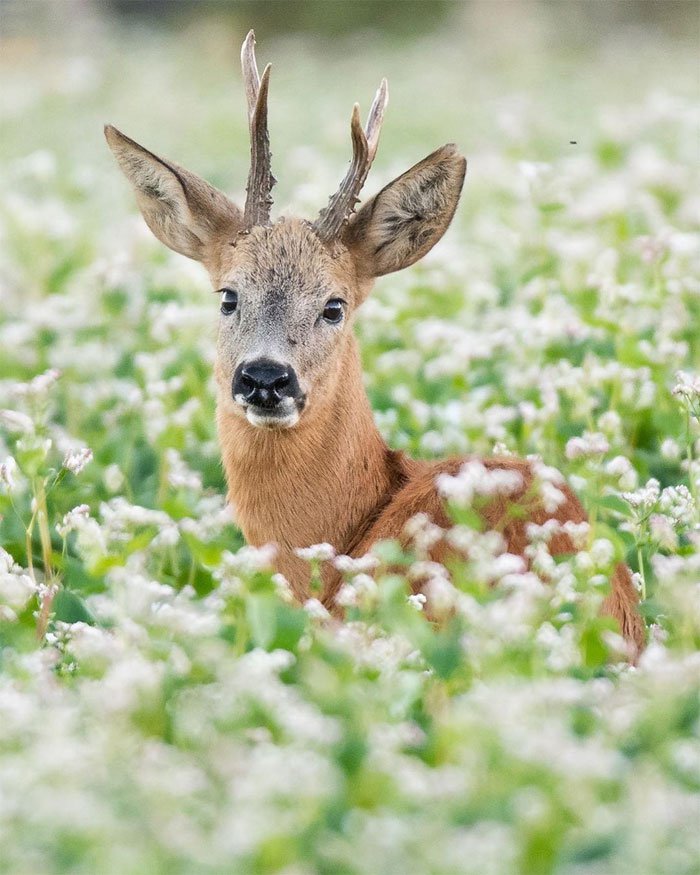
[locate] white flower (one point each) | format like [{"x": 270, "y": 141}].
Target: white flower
[
  {"x": 662, "y": 531},
  {"x": 602, "y": 552},
  {"x": 8, "y": 473},
  {"x": 16, "y": 422},
  {"x": 16, "y": 587},
  {"x": 551, "y": 497},
  {"x": 359, "y": 565},
  {"x": 589, "y": 444},
  {"x": 315, "y": 609},
  {"x": 346, "y": 597},
  {"x": 180, "y": 476},
  {"x": 423, "y": 532},
  {"x": 687, "y": 387},
  {"x": 442, "y": 595},
  {"x": 622, "y": 469},
  {"x": 40, "y": 385},
  {"x": 677, "y": 503},
  {"x": 474, "y": 479},
  {"x": 113, "y": 478},
  {"x": 645, "y": 497},
  {"x": 316, "y": 553},
  {"x": 417, "y": 600},
  {"x": 670, "y": 449},
  {"x": 247, "y": 560},
  {"x": 76, "y": 460},
  {"x": 73, "y": 520},
  {"x": 283, "y": 588}
]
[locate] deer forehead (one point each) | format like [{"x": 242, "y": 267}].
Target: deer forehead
[{"x": 287, "y": 259}]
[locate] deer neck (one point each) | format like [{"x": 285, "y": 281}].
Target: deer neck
[{"x": 321, "y": 481}]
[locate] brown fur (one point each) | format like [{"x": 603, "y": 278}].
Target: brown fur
[{"x": 321, "y": 472}]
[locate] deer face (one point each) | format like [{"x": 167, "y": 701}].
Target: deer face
[
  {"x": 286, "y": 307},
  {"x": 288, "y": 291}
]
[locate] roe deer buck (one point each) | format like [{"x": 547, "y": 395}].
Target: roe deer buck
[{"x": 304, "y": 461}]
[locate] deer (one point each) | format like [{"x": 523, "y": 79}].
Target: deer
[{"x": 304, "y": 460}]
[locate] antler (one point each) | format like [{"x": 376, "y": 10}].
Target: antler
[
  {"x": 260, "y": 178},
  {"x": 364, "y": 147}
]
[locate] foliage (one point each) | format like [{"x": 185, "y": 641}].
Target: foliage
[{"x": 165, "y": 707}]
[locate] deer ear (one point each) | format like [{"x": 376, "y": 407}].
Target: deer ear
[
  {"x": 408, "y": 217},
  {"x": 182, "y": 210}
]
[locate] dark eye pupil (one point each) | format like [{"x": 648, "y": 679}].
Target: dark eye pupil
[
  {"x": 229, "y": 301},
  {"x": 333, "y": 311}
]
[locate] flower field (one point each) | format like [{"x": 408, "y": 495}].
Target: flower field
[{"x": 165, "y": 708}]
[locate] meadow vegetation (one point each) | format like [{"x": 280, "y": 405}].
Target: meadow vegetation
[{"x": 164, "y": 706}]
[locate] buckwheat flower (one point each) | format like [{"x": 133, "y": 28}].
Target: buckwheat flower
[
  {"x": 541, "y": 562},
  {"x": 283, "y": 588},
  {"x": 423, "y": 532},
  {"x": 346, "y": 597},
  {"x": 417, "y": 600},
  {"x": 184, "y": 415},
  {"x": 578, "y": 532},
  {"x": 16, "y": 422},
  {"x": 76, "y": 460},
  {"x": 474, "y": 479},
  {"x": 73, "y": 520},
  {"x": 426, "y": 568},
  {"x": 16, "y": 587},
  {"x": 545, "y": 473},
  {"x": 670, "y": 449},
  {"x": 552, "y": 498},
  {"x": 359, "y": 565},
  {"x": 501, "y": 449},
  {"x": 441, "y": 594},
  {"x": 113, "y": 478},
  {"x": 507, "y": 564},
  {"x": 247, "y": 560},
  {"x": 432, "y": 443},
  {"x": 180, "y": 476},
  {"x": 687, "y": 386},
  {"x": 8, "y": 474},
  {"x": 610, "y": 423},
  {"x": 645, "y": 497},
  {"x": 41, "y": 384},
  {"x": 602, "y": 553},
  {"x": 361, "y": 589},
  {"x": 677, "y": 503},
  {"x": 588, "y": 445},
  {"x": 543, "y": 532},
  {"x": 316, "y": 553},
  {"x": 663, "y": 532},
  {"x": 316, "y": 610},
  {"x": 622, "y": 469},
  {"x": 167, "y": 536}
]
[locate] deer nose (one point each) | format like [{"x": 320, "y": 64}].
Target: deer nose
[{"x": 265, "y": 383}]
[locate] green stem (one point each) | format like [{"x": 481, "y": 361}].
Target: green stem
[{"x": 640, "y": 563}]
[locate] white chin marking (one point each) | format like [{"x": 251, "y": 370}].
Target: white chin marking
[{"x": 286, "y": 420}]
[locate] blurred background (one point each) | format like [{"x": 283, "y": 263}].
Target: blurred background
[{"x": 167, "y": 73}]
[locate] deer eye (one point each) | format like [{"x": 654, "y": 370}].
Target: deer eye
[
  {"x": 229, "y": 301},
  {"x": 333, "y": 312}
]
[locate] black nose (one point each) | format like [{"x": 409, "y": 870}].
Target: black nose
[{"x": 265, "y": 383}]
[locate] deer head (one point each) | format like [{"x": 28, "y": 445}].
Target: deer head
[{"x": 289, "y": 289}]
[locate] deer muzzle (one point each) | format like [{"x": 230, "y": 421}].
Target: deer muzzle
[{"x": 269, "y": 392}]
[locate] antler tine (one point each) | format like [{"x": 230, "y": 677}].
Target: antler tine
[
  {"x": 376, "y": 117},
  {"x": 364, "y": 147},
  {"x": 260, "y": 178},
  {"x": 251, "y": 77}
]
